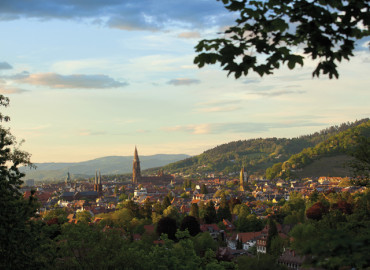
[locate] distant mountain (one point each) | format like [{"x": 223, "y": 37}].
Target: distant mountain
[
  {"x": 107, "y": 165},
  {"x": 255, "y": 154}
]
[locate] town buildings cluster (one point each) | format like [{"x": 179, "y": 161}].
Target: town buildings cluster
[{"x": 99, "y": 196}]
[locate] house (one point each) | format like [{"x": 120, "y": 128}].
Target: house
[
  {"x": 213, "y": 229},
  {"x": 291, "y": 260},
  {"x": 248, "y": 239}
]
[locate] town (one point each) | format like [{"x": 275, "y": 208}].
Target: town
[{"x": 235, "y": 210}]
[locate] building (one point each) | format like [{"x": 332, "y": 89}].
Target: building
[
  {"x": 98, "y": 187},
  {"x": 243, "y": 179},
  {"x": 136, "y": 172},
  {"x": 137, "y": 178}
]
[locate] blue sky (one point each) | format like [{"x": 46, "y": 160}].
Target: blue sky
[{"x": 95, "y": 78}]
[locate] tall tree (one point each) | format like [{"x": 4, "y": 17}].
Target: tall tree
[
  {"x": 272, "y": 31},
  {"x": 194, "y": 210},
  {"x": 20, "y": 236},
  {"x": 210, "y": 215}
]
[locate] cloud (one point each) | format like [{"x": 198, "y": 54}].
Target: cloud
[
  {"x": 278, "y": 93},
  {"x": 220, "y": 109},
  {"x": 189, "y": 35},
  {"x": 91, "y": 133},
  {"x": 55, "y": 80},
  {"x": 127, "y": 15},
  {"x": 248, "y": 81},
  {"x": 183, "y": 81},
  {"x": 5, "y": 65},
  {"x": 241, "y": 127},
  {"x": 11, "y": 90}
]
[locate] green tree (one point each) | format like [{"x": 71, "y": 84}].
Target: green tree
[
  {"x": 210, "y": 215},
  {"x": 223, "y": 211},
  {"x": 166, "y": 202},
  {"x": 84, "y": 216},
  {"x": 272, "y": 233},
  {"x": 194, "y": 210},
  {"x": 203, "y": 189},
  {"x": 191, "y": 224},
  {"x": 21, "y": 238},
  {"x": 325, "y": 30}
]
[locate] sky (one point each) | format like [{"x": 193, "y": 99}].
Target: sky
[{"x": 88, "y": 79}]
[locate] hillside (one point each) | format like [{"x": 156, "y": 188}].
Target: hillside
[
  {"x": 338, "y": 145},
  {"x": 110, "y": 165},
  {"x": 255, "y": 154}
]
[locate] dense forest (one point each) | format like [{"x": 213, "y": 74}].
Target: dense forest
[
  {"x": 255, "y": 154},
  {"x": 342, "y": 143}
]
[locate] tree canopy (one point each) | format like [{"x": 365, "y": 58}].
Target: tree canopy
[{"x": 270, "y": 33}]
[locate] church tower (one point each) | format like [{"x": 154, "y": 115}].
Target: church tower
[
  {"x": 136, "y": 172},
  {"x": 243, "y": 179},
  {"x": 97, "y": 183}
]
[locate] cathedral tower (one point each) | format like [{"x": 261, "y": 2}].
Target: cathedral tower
[
  {"x": 136, "y": 172},
  {"x": 243, "y": 179}
]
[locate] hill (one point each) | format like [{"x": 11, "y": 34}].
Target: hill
[
  {"x": 255, "y": 154},
  {"x": 110, "y": 165},
  {"x": 338, "y": 145}
]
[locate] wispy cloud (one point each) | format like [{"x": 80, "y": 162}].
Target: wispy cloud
[
  {"x": 183, "y": 81},
  {"x": 278, "y": 93},
  {"x": 220, "y": 109},
  {"x": 194, "y": 34},
  {"x": 240, "y": 127},
  {"x": 11, "y": 90},
  {"x": 91, "y": 133},
  {"x": 5, "y": 65},
  {"x": 55, "y": 80}
]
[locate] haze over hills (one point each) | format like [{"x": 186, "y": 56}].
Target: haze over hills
[{"x": 107, "y": 165}]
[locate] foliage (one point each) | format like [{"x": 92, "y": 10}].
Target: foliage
[
  {"x": 256, "y": 154},
  {"x": 167, "y": 225},
  {"x": 194, "y": 210},
  {"x": 20, "y": 235},
  {"x": 59, "y": 213},
  {"x": 345, "y": 142},
  {"x": 210, "y": 215},
  {"x": 203, "y": 189},
  {"x": 273, "y": 30},
  {"x": 361, "y": 165},
  {"x": 260, "y": 262},
  {"x": 339, "y": 239},
  {"x": 316, "y": 211},
  {"x": 84, "y": 216},
  {"x": 223, "y": 211},
  {"x": 191, "y": 224}
]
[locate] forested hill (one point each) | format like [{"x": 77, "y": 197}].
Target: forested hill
[
  {"x": 255, "y": 154},
  {"x": 337, "y": 146}
]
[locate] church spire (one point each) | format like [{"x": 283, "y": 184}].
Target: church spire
[{"x": 136, "y": 172}]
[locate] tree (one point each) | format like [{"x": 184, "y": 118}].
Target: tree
[
  {"x": 166, "y": 202},
  {"x": 20, "y": 244},
  {"x": 191, "y": 224},
  {"x": 210, "y": 215},
  {"x": 273, "y": 30},
  {"x": 84, "y": 216},
  {"x": 168, "y": 226},
  {"x": 194, "y": 210},
  {"x": 223, "y": 211},
  {"x": 203, "y": 189},
  {"x": 272, "y": 233},
  {"x": 361, "y": 165}
]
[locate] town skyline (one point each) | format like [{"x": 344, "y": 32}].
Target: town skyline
[{"x": 93, "y": 81}]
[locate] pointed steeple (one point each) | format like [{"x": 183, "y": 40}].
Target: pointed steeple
[
  {"x": 136, "y": 172},
  {"x": 96, "y": 177},
  {"x": 136, "y": 156},
  {"x": 242, "y": 178},
  {"x": 99, "y": 179}
]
